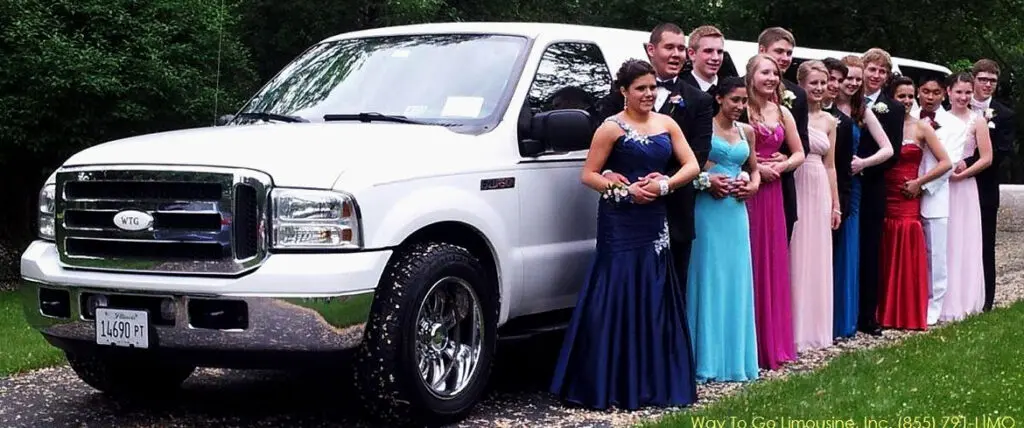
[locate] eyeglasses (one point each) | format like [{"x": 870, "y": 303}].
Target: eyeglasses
[{"x": 989, "y": 80}]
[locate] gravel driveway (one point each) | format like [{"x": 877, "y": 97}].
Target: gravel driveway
[{"x": 223, "y": 398}]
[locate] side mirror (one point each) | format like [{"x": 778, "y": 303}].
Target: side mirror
[
  {"x": 225, "y": 119},
  {"x": 559, "y": 130}
]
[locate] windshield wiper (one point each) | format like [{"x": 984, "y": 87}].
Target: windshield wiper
[
  {"x": 271, "y": 116},
  {"x": 372, "y": 116}
]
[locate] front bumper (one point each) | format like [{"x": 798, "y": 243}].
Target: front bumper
[{"x": 213, "y": 320}]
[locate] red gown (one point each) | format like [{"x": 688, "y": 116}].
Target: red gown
[{"x": 903, "y": 293}]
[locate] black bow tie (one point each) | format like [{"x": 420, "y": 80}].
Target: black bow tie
[
  {"x": 667, "y": 83},
  {"x": 712, "y": 89}
]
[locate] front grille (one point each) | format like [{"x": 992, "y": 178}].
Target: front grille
[{"x": 203, "y": 220}]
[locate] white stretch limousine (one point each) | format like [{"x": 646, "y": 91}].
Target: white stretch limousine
[{"x": 394, "y": 194}]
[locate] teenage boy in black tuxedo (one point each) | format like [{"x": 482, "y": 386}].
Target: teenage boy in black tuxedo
[
  {"x": 706, "y": 54},
  {"x": 693, "y": 110},
  {"x": 890, "y": 114},
  {"x": 1003, "y": 130},
  {"x": 778, "y": 43},
  {"x": 706, "y": 51}
]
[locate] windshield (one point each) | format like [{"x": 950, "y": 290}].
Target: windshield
[{"x": 454, "y": 80}]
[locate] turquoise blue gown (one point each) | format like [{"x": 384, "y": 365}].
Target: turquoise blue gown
[
  {"x": 720, "y": 282},
  {"x": 846, "y": 260},
  {"x": 627, "y": 344}
]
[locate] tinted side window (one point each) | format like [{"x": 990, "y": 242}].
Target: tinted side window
[
  {"x": 790, "y": 73},
  {"x": 728, "y": 68},
  {"x": 919, "y": 74},
  {"x": 570, "y": 76}
]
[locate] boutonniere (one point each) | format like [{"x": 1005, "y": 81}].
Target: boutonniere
[
  {"x": 880, "y": 107},
  {"x": 989, "y": 115},
  {"x": 676, "y": 101},
  {"x": 787, "y": 98}
]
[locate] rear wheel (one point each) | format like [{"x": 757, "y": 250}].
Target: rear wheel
[{"x": 430, "y": 340}]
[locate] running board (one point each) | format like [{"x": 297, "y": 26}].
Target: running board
[{"x": 536, "y": 324}]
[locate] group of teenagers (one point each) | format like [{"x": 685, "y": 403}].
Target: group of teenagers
[{"x": 743, "y": 221}]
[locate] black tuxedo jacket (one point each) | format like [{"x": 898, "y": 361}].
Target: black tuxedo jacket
[
  {"x": 800, "y": 115},
  {"x": 843, "y": 158},
  {"x": 694, "y": 117},
  {"x": 892, "y": 124},
  {"x": 872, "y": 206},
  {"x": 690, "y": 80},
  {"x": 1004, "y": 137}
]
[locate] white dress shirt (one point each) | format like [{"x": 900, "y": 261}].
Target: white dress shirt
[
  {"x": 703, "y": 84},
  {"x": 662, "y": 95},
  {"x": 980, "y": 106},
  {"x": 873, "y": 98}
]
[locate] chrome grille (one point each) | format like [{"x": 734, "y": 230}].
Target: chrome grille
[{"x": 205, "y": 220}]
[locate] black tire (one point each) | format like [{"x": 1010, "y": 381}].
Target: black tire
[
  {"x": 128, "y": 376},
  {"x": 386, "y": 369}
]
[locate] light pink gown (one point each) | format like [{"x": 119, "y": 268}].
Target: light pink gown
[
  {"x": 810, "y": 257},
  {"x": 965, "y": 294}
]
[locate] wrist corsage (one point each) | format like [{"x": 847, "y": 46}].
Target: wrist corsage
[
  {"x": 703, "y": 181},
  {"x": 615, "y": 192}
]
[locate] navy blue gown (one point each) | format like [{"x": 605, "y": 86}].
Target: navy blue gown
[
  {"x": 627, "y": 345},
  {"x": 846, "y": 261}
]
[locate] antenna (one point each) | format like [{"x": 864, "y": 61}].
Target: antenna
[{"x": 220, "y": 38}]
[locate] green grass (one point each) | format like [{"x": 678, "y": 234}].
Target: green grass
[
  {"x": 954, "y": 377},
  {"x": 21, "y": 347}
]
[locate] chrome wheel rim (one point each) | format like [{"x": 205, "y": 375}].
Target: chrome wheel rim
[{"x": 449, "y": 337}]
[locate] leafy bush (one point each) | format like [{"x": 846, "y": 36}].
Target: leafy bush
[
  {"x": 77, "y": 73},
  {"x": 81, "y": 72}
]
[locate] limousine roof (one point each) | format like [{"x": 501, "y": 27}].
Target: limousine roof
[
  {"x": 525, "y": 29},
  {"x": 736, "y": 48}
]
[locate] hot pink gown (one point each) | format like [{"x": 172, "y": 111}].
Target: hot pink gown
[{"x": 770, "y": 257}]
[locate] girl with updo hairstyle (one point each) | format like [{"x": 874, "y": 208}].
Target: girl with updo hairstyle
[
  {"x": 628, "y": 343},
  {"x": 720, "y": 279},
  {"x": 965, "y": 292}
]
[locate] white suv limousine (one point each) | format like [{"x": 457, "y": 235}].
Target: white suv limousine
[{"x": 384, "y": 204}]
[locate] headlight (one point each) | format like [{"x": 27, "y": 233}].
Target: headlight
[
  {"x": 47, "y": 207},
  {"x": 314, "y": 219}
]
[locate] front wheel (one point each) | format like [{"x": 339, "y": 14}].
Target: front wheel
[{"x": 430, "y": 340}]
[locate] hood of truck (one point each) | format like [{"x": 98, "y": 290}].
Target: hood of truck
[{"x": 300, "y": 154}]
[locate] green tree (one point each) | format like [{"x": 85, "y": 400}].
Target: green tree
[{"x": 77, "y": 73}]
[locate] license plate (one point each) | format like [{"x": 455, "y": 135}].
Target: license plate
[{"x": 120, "y": 327}]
